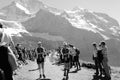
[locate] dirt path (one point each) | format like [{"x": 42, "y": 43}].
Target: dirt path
[{"x": 53, "y": 72}]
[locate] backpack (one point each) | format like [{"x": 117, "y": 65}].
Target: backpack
[{"x": 40, "y": 57}]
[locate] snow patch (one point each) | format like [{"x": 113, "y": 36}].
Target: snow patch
[
  {"x": 79, "y": 22},
  {"x": 93, "y": 26},
  {"x": 55, "y": 13},
  {"x": 13, "y": 28},
  {"x": 101, "y": 18},
  {"x": 23, "y": 8},
  {"x": 104, "y": 36}
]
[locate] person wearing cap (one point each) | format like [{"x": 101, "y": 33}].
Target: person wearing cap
[{"x": 40, "y": 59}]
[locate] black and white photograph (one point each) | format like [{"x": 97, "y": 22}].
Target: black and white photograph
[{"x": 59, "y": 39}]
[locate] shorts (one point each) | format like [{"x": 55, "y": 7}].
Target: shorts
[
  {"x": 66, "y": 66},
  {"x": 40, "y": 61}
]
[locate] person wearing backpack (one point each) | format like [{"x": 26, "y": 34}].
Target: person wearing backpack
[{"x": 40, "y": 59}]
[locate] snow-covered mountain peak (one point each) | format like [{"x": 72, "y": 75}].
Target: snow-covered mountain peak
[
  {"x": 96, "y": 22},
  {"x": 23, "y": 8},
  {"x": 32, "y": 5},
  {"x": 79, "y": 9},
  {"x": 79, "y": 26},
  {"x": 80, "y": 18}
]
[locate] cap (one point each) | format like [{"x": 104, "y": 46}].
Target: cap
[
  {"x": 39, "y": 42},
  {"x": 65, "y": 43}
]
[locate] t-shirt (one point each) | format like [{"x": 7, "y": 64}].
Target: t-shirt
[
  {"x": 95, "y": 52},
  {"x": 40, "y": 49},
  {"x": 41, "y": 55},
  {"x": 65, "y": 50},
  {"x": 72, "y": 51},
  {"x": 104, "y": 50},
  {"x": 66, "y": 57}
]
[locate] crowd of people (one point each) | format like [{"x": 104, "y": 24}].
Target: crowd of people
[
  {"x": 13, "y": 56},
  {"x": 69, "y": 55},
  {"x": 23, "y": 54}
]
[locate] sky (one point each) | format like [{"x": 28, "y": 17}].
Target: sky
[{"x": 110, "y": 7}]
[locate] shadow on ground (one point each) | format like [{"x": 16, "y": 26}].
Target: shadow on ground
[
  {"x": 43, "y": 79},
  {"x": 33, "y": 69},
  {"x": 75, "y": 71},
  {"x": 99, "y": 78}
]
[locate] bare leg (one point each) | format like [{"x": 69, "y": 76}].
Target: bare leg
[
  {"x": 42, "y": 65},
  {"x": 39, "y": 67}
]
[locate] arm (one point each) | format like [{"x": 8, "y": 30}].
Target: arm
[
  {"x": 36, "y": 53},
  {"x": 44, "y": 52},
  {"x": 62, "y": 53},
  {"x": 11, "y": 42}
]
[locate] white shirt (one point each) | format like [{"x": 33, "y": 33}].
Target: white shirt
[{"x": 95, "y": 52}]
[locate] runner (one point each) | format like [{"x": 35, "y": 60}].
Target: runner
[
  {"x": 40, "y": 59},
  {"x": 66, "y": 57}
]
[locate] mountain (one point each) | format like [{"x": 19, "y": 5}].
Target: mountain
[
  {"x": 33, "y": 6},
  {"x": 13, "y": 12},
  {"x": 78, "y": 26},
  {"x": 96, "y": 22}
]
